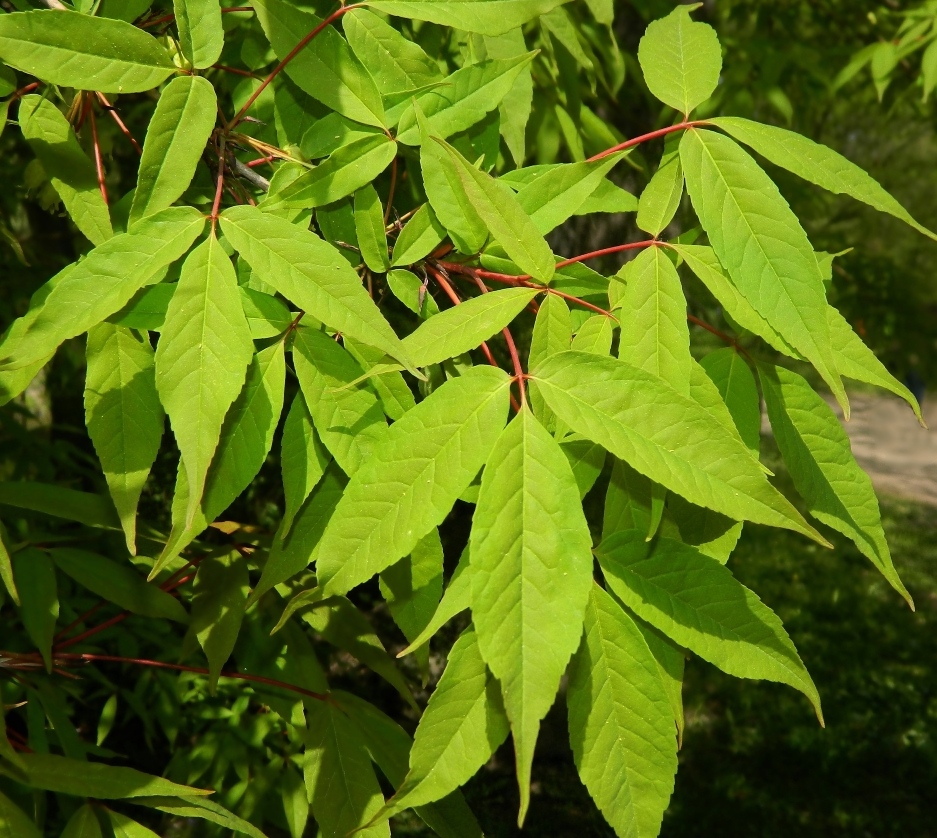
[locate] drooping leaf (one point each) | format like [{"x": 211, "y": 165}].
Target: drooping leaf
[
  {"x": 620, "y": 721},
  {"x": 95, "y": 779},
  {"x": 70, "y": 170},
  {"x": 123, "y": 415},
  {"x": 369, "y": 222},
  {"x": 660, "y": 199},
  {"x": 34, "y": 576},
  {"x": 464, "y": 327},
  {"x": 311, "y": 273},
  {"x": 302, "y": 459},
  {"x": 200, "y": 32},
  {"x": 456, "y": 599},
  {"x": 553, "y": 331},
  {"x": 395, "y": 63},
  {"x": 487, "y": 17},
  {"x": 14, "y": 823},
  {"x": 90, "y": 53},
  {"x": 349, "y": 418},
  {"x": 671, "y": 660},
  {"x": 340, "y": 782},
  {"x": 816, "y": 163},
  {"x": 326, "y": 68},
  {"x": 499, "y": 210},
  {"x": 201, "y": 360},
  {"x": 531, "y": 570},
  {"x": 419, "y": 236},
  {"x": 654, "y": 332},
  {"x": 664, "y": 435},
  {"x": 117, "y": 583},
  {"x": 346, "y": 170},
  {"x": 586, "y": 459},
  {"x": 70, "y": 504},
  {"x": 762, "y": 246},
  {"x": 627, "y": 501},
  {"x": 104, "y": 281},
  {"x": 462, "y": 726},
  {"x": 202, "y": 808},
  {"x": 819, "y": 458},
  {"x": 699, "y": 604},
  {"x": 516, "y": 106},
  {"x": 401, "y": 492},
  {"x": 178, "y": 132},
  {"x": 681, "y": 60},
  {"x": 220, "y": 590},
  {"x": 557, "y": 195},
  {"x": 467, "y": 96},
  {"x": 736, "y": 384}
]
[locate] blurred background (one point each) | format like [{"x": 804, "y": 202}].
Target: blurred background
[{"x": 753, "y": 762}]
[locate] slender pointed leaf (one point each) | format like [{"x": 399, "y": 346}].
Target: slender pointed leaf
[
  {"x": 487, "y": 17},
  {"x": 302, "y": 459},
  {"x": 34, "y": 575},
  {"x": 369, "y": 223}
]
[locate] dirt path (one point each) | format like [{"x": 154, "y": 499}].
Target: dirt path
[{"x": 893, "y": 448}]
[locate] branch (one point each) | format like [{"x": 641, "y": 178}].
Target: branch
[
  {"x": 248, "y": 174},
  {"x": 653, "y": 135}
]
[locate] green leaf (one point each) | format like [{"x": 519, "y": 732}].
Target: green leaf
[
  {"x": 344, "y": 626},
  {"x": 104, "y": 281},
  {"x": 70, "y": 170},
  {"x": 14, "y": 822},
  {"x": 654, "y": 334},
  {"x": 246, "y": 439},
  {"x": 117, "y": 583},
  {"x": 412, "y": 589},
  {"x": 95, "y": 779},
  {"x": 326, "y": 68},
  {"x": 201, "y": 360},
  {"x": 447, "y": 198},
  {"x": 586, "y": 459},
  {"x": 733, "y": 377},
  {"x": 660, "y": 199},
  {"x": 594, "y": 335},
  {"x": 762, "y": 246},
  {"x": 699, "y": 604},
  {"x": 516, "y": 106},
  {"x": 200, "y": 807},
  {"x": 72, "y": 505},
  {"x": 175, "y": 140},
  {"x": 467, "y": 96},
  {"x": 816, "y": 163},
  {"x": 123, "y": 415},
  {"x": 418, "y": 238},
  {"x": 401, "y": 492},
  {"x": 664, "y": 435},
  {"x": 557, "y": 195},
  {"x": 302, "y": 459},
  {"x": 394, "y": 62},
  {"x": 498, "y": 208},
  {"x": 340, "y": 781},
  {"x": 462, "y": 726},
  {"x": 346, "y": 170},
  {"x": 620, "y": 721},
  {"x": 553, "y": 332},
  {"x": 369, "y": 223},
  {"x": 34, "y": 575},
  {"x": 608, "y": 197},
  {"x": 310, "y": 273},
  {"x": 6, "y": 570},
  {"x": 333, "y": 132},
  {"x": 294, "y": 548},
  {"x": 487, "y": 17},
  {"x": 627, "y": 501},
  {"x": 818, "y": 456},
  {"x": 83, "y": 824},
  {"x": 456, "y": 599},
  {"x": 395, "y": 394},
  {"x": 220, "y": 589},
  {"x": 124, "y": 827},
  {"x": 681, "y": 60},
  {"x": 349, "y": 418},
  {"x": 531, "y": 570},
  {"x": 201, "y": 35},
  {"x": 855, "y": 360},
  {"x": 89, "y": 53},
  {"x": 295, "y": 804},
  {"x": 464, "y": 327},
  {"x": 670, "y": 660}
]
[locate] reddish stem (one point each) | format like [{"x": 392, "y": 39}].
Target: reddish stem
[
  {"x": 390, "y": 194},
  {"x": 24, "y": 90},
  {"x": 199, "y": 670},
  {"x": 292, "y": 54},
  {"x": 512, "y": 348},
  {"x": 218, "y": 189},
  {"x": 653, "y": 135},
  {"x": 236, "y": 70},
  {"x": 98, "y": 162},
  {"x": 120, "y": 123},
  {"x": 253, "y": 164},
  {"x": 595, "y": 254}
]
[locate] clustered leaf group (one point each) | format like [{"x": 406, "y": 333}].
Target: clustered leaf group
[{"x": 247, "y": 285}]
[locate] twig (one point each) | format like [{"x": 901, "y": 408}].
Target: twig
[
  {"x": 661, "y": 132},
  {"x": 112, "y": 111},
  {"x": 249, "y": 175},
  {"x": 98, "y": 162}
]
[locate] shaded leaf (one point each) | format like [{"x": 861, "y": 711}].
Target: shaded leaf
[{"x": 34, "y": 576}]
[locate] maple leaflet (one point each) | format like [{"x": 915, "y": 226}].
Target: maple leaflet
[{"x": 402, "y": 367}]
